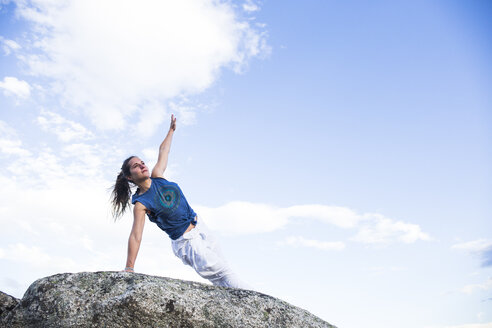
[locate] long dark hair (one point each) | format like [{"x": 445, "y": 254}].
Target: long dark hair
[{"x": 122, "y": 190}]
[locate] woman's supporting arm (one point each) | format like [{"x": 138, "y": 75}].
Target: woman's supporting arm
[
  {"x": 164, "y": 149},
  {"x": 136, "y": 235}
]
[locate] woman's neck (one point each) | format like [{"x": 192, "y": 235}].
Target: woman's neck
[{"x": 144, "y": 185}]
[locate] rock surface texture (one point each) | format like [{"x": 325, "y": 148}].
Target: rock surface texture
[
  {"x": 120, "y": 299},
  {"x": 7, "y": 303}
]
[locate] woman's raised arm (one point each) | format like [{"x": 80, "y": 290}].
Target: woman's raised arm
[{"x": 164, "y": 148}]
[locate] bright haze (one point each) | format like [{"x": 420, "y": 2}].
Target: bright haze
[{"x": 340, "y": 151}]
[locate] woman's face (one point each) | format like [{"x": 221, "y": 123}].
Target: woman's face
[{"x": 138, "y": 170}]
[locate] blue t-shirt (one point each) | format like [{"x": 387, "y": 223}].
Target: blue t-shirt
[{"x": 168, "y": 207}]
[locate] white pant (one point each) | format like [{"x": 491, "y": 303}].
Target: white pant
[{"x": 198, "y": 249}]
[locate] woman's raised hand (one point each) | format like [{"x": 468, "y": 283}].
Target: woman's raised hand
[{"x": 173, "y": 123}]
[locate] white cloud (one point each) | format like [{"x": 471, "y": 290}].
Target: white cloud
[
  {"x": 10, "y": 144},
  {"x": 12, "y": 147},
  {"x": 340, "y": 216},
  {"x": 469, "y": 289},
  {"x": 298, "y": 241},
  {"x": 113, "y": 58},
  {"x": 39, "y": 169},
  {"x": 154, "y": 114},
  {"x": 9, "y": 45},
  {"x": 149, "y": 156},
  {"x": 250, "y": 6},
  {"x": 474, "y": 246},
  {"x": 242, "y": 217},
  {"x": 83, "y": 160},
  {"x": 66, "y": 130},
  {"x": 13, "y": 86},
  {"x": 186, "y": 112},
  {"x": 245, "y": 218},
  {"x": 479, "y": 247},
  {"x": 469, "y": 325},
  {"x": 47, "y": 167},
  {"x": 377, "y": 270},
  {"x": 21, "y": 252},
  {"x": 377, "y": 229}
]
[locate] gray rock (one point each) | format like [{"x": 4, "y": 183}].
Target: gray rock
[
  {"x": 7, "y": 303},
  {"x": 120, "y": 299}
]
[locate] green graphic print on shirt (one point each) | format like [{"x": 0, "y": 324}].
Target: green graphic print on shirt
[{"x": 168, "y": 197}]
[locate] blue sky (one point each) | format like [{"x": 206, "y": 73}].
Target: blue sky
[{"x": 340, "y": 150}]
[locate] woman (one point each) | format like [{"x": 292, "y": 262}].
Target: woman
[{"x": 164, "y": 203}]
